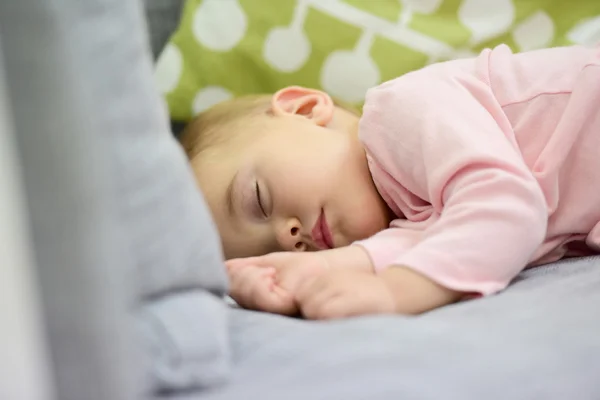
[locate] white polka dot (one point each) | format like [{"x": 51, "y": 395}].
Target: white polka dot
[
  {"x": 219, "y": 24},
  {"x": 486, "y": 18},
  {"x": 535, "y": 32},
  {"x": 422, "y": 6},
  {"x": 587, "y": 32},
  {"x": 208, "y": 97},
  {"x": 286, "y": 49},
  {"x": 169, "y": 67},
  {"x": 348, "y": 75}
]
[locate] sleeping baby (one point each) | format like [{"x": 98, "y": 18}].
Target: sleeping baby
[{"x": 454, "y": 179}]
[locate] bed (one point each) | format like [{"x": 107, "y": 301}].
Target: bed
[{"x": 112, "y": 282}]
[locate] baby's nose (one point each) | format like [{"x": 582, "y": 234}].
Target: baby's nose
[{"x": 289, "y": 236}]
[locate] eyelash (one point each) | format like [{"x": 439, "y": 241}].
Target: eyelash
[{"x": 259, "y": 200}]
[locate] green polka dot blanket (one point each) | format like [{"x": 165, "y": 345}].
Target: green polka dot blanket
[{"x": 226, "y": 48}]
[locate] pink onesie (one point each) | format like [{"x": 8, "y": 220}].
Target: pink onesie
[{"x": 491, "y": 164}]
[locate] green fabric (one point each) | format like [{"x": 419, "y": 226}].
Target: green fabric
[{"x": 226, "y": 48}]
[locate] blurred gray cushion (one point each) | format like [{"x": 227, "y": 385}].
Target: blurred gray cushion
[
  {"x": 176, "y": 332},
  {"x": 164, "y": 221},
  {"x": 49, "y": 50},
  {"x": 115, "y": 212}
]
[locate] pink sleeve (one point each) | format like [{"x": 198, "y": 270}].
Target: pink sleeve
[
  {"x": 446, "y": 141},
  {"x": 384, "y": 247}
]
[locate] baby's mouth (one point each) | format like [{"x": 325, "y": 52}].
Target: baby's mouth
[{"x": 321, "y": 234}]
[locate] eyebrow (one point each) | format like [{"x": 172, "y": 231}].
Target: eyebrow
[{"x": 229, "y": 194}]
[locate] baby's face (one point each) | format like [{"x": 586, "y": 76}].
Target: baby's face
[{"x": 297, "y": 187}]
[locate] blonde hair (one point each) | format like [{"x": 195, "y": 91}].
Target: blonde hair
[
  {"x": 207, "y": 128},
  {"x": 218, "y": 124}
]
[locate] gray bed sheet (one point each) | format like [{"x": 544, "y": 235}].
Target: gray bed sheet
[{"x": 540, "y": 339}]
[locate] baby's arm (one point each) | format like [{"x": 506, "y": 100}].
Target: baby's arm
[
  {"x": 345, "y": 292},
  {"x": 447, "y": 141},
  {"x": 270, "y": 282},
  {"x": 414, "y": 293},
  {"x": 331, "y": 284},
  {"x": 351, "y": 288}
]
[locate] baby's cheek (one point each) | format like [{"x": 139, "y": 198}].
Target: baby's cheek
[
  {"x": 364, "y": 213},
  {"x": 242, "y": 242},
  {"x": 372, "y": 224},
  {"x": 361, "y": 226},
  {"x": 374, "y": 218}
]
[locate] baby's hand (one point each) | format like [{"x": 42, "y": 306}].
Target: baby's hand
[
  {"x": 345, "y": 293},
  {"x": 254, "y": 288},
  {"x": 269, "y": 283}
]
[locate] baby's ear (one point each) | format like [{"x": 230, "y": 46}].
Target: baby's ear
[{"x": 312, "y": 104}]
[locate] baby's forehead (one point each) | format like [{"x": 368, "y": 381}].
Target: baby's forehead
[{"x": 245, "y": 131}]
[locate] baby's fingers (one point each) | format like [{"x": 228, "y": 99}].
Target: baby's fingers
[
  {"x": 238, "y": 286},
  {"x": 275, "y": 300},
  {"x": 245, "y": 281},
  {"x": 237, "y": 263},
  {"x": 310, "y": 288},
  {"x": 261, "y": 262}
]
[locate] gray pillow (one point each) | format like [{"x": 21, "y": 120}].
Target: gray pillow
[
  {"x": 185, "y": 351},
  {"x": 115, "y": 213},
  {"x": 164, "y": 222}
]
